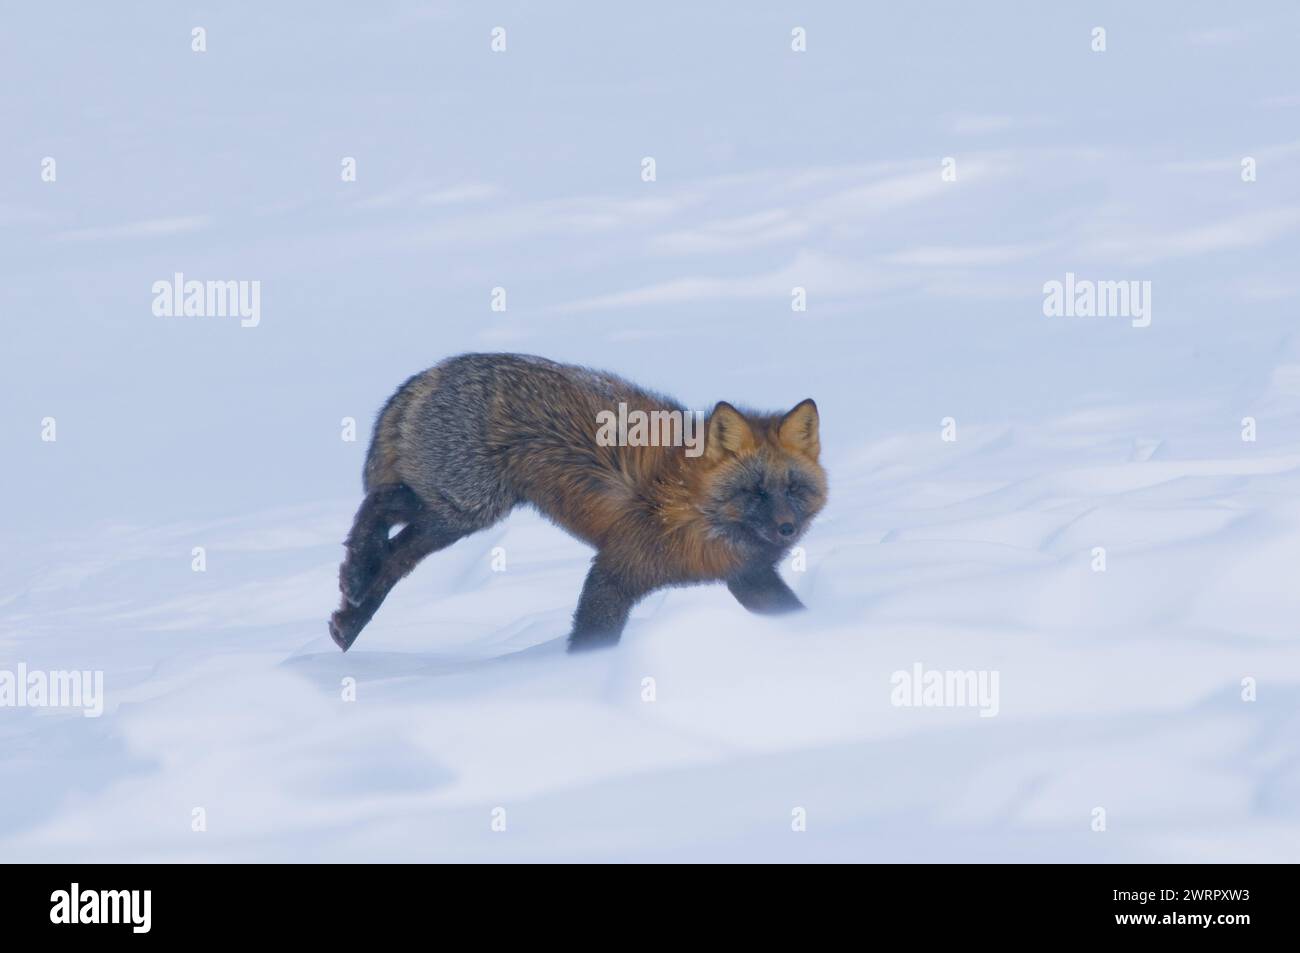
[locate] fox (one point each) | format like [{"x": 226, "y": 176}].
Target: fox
[{"x": 462, "y": 444}]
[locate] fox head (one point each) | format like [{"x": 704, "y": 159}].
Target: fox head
[{"x": 763, "y": 484}]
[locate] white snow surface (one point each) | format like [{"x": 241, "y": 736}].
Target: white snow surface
[{"x": 1118, "y": 689}]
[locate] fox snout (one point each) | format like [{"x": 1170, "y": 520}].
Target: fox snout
[
  {"x": 782, "y": 528},
  {"x": 774, "y": 521},
  {"x": 784, "y": 521}
]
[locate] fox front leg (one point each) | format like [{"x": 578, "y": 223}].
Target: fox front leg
[
  {"x": 762, "y": 590},
  {"x": 603, "y": 608}
]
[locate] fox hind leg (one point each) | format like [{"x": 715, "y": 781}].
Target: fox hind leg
[
  {"x": 418, "y": 539},
  {"x": 368, "y": 543}
]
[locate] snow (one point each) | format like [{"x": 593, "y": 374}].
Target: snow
[{"x": 1119, "y": 689}]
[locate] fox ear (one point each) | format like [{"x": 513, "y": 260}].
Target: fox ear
[
  {"x": 799, "y": 428},
  {"x": 728, "y": 432}
]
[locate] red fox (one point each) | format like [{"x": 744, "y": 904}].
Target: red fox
[{"x": 460, "y": 445}]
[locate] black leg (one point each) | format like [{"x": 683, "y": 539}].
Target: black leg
[
  {"x": 603, "y": 608},
  {"x": 368, "y": 543},
  {"x": 761, "y": 590},
  {"x": 407, "y": 548}
]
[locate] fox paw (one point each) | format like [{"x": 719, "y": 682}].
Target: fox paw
[{"x": 341, "y": 631}]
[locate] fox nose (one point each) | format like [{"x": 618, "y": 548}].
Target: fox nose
[{"x": 786, "y": 529}]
